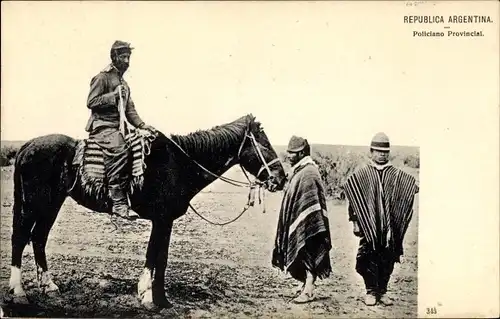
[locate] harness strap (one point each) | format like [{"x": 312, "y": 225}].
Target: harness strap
[
  {"x": 259, "y": 153},
  {"x": 122, "y": 115},
  {"x": 269, "y": 164},
  {"x": 226, "y": 179}
]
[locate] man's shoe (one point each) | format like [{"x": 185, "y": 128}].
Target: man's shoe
[
  {"x": 120, "y": 207},
  {"x": 385, "y": 300},
  {"x": 370, "y": 300},
  {"x": 304, "y": 297}
]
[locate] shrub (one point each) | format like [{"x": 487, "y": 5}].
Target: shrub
[
  {"x": 412, "y": 161},
  {"x": 334, "y": 168},
  {"x": 7, "y": 155}
]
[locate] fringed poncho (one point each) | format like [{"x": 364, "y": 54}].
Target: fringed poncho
[{"x": 303, "y": 235}]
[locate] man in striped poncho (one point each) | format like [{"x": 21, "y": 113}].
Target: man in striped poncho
[
  {"x": 380, "y": 205},
  {"x": 303, "y": 236}
]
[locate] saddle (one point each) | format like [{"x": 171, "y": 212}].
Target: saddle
[{"x": 89, "y": 160}]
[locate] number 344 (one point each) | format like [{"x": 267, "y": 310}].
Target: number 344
[{"x": 431, "y": 311}]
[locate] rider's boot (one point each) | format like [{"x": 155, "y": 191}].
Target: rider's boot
[{"x": 120, "y": 203}]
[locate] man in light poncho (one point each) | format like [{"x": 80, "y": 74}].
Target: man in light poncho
[
  {"x": 303, "y": 236},
  {"x": 380, "y": 205}
]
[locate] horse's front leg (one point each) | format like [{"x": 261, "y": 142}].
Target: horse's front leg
[
  {"x": 144, "y": 286},
  {"x": 159, "y": 297},
  {"x": 156, "y": 260}
]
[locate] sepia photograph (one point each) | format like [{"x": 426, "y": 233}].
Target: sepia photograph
[{"x": 249, "y": 159}]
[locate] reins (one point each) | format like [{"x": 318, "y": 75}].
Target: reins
[
  {"x": 250, "y": 203},
  {"x": 225, "y": 179},
  {"x": 251, "y": 185}
]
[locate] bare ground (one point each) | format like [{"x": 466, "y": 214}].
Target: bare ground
[{"x": 212, "y": 271}]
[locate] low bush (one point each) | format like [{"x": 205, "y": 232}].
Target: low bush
[
  {"x": 7, "y": 155},
  {"x": 335, "y": 168},
  {"x": 412, "y": 161}
]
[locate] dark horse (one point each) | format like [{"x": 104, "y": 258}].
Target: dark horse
[{"x": 44, "y": 176}]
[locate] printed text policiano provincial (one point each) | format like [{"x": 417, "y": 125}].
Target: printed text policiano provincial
[{"x": 448, "y": 33}]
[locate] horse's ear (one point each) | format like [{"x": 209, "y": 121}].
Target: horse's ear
[
  {"x": 257, "y": 126},
  {"x": 251, "y": 117}
]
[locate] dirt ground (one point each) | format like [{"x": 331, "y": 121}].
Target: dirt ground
[{"x": 213, "y": 271}]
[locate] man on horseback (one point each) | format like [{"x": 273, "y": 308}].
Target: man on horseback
[{"x": 109, "y": 93}]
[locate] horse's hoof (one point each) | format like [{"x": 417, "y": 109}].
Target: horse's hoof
[
  {"x": 51, "y": 289},
  {"x": 169, "y": 313},
  {"x": 20, "y": 300},
  {"x": 147, "y": 299},
  {"x": 52, "y": 293},
  {"x": 148, "y": 305},
  {"x": 17, "y": 296},
  {"x": 160, "y": 298},
  {"x": 164, "y": 304},
  {"x": 144, "y": 283}
]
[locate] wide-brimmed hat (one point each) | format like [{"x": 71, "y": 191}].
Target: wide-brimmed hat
[
  {"x": 296, "y": 144},
  {"x": 380, "y": 142}
]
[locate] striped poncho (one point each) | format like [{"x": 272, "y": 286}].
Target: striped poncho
[
  {"x": 303, "y": 235},
  {"x": 89, "y": 157},
  {"x": 382, "y": 201}
]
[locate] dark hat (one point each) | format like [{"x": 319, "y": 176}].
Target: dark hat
[
  {"x": 121, "y": 45},
  {"x": 296, "y": 144},
  {"x": 380, "y": 142}
]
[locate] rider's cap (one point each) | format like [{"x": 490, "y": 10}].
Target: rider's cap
[{"x": 121, "y": 46}]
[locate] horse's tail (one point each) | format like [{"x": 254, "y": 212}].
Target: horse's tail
[
  {"x": 17, "y": 208},
  {"x": 18, "y": 192}
]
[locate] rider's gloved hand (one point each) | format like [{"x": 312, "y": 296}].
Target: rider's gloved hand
[{"x": 147, "y": 127}]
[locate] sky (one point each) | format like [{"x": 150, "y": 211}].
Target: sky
[{"x": 335, "y": 73}]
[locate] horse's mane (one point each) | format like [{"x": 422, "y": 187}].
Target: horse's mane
[{"x": 219, "y": 138}]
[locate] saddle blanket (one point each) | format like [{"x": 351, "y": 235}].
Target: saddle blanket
[{"x": 89, "y": 158}]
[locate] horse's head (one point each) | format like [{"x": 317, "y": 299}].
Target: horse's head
[{"x": 258, "y": 157}]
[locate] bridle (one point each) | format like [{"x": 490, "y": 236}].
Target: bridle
[{"x": 265, "y": 166}]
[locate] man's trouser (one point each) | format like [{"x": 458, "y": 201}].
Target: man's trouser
[
  {"x": 375, "y": 267},
  {"x": 115, "y": 162}
]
